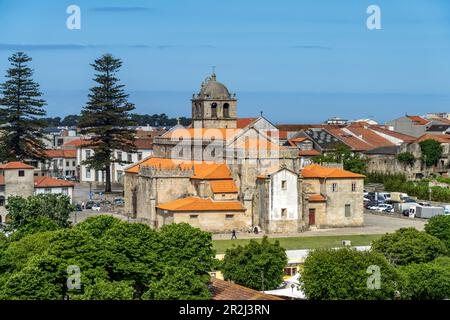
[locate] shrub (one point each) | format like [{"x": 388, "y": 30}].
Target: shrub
[{"x": 439, "y": 226}]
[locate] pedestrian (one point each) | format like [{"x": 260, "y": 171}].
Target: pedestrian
[
  {"x": 233, "y": 234},
  {"x": 83, "y": 205}
]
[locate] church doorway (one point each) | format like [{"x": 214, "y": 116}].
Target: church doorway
[{"x": 312, "y": 217}]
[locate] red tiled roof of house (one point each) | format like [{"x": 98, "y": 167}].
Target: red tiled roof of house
[
  {"x": 318, "y": 171},
  {"x": 442, "y": 138},
  {"x": 443, "y": 120},
  {"x": 223, "y": 186},
  {"x": 196, "y": 204},
  {"x": 143, "y": 143},
  {"x": 76, "y": 143},
  {"x": 309, "y": 153},
  {"x": 15, "y": 165},
  {"x": 225, "y": 290},
  {"x": 243, "y": 122},
  {"x": 316, "y": 198},
  {"x": 395, "y": 134},
  {"x": 418, "y": 120},
  {"x": 61, "y": 153},
  {"x": 350, "y": 139},
  {"x": 48, "y": 182}
]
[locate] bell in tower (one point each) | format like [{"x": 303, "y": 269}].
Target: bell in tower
[{"x": 214, "y": 106}]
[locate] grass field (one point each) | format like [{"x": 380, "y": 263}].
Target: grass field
[{"x": 303, "y": 242}]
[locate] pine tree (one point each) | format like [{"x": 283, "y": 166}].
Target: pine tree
[
  {"x": 106, "y": 118},
  {"x": 21, "y": 112}
]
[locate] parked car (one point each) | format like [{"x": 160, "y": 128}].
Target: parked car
[
  {"x": 96, "y": 207},
  {"x": 89, "y": 204},
  {"x": 78, "y": 207},
  {"x": 383, "y": 206},
  {"x": 119, "y": 201}
]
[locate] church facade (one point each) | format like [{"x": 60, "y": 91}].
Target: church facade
[{"x": 222, "y": 175}]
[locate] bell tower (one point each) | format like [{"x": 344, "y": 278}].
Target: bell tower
[{"x": 214, "y": 106}]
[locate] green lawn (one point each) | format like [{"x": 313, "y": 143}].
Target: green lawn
[{"x": 303, "y": 242}]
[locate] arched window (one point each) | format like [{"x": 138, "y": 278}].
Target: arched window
[
  {"x": 214, "y": 110},
  {"x": 226, "y": 110}
]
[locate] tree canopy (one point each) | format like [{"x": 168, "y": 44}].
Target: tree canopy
[
  {"x": 106, "y": 118},
  {"x": 408, "y": 245},
  {"x": 431, "y": 151},
  {"x": 330, "y": 274},
  {"x": 116, "y": 260},
  {"x": 439, "y": 226},
  {"x": 343, "y": 154},
  {"x": 21, "y": 111},
  {"x": 257, "y": 265}
]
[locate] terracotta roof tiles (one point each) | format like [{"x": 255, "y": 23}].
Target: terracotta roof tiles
[
  {"x": 15, "y": 165},
  {"x": 318, "y": 171}
]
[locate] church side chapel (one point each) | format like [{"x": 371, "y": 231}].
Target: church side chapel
[{"x": 224, "y": 173}]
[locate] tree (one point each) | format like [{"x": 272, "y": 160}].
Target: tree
[
  {"x": 34, "y": 225},
  {"x": 55, "y": 207},
  {"x": 431, "y": 151},
  {"x": 407, "y": 158},
  {"x": 22, "y": 107},
  {"x": 343, "y": 154},
  {"x": 257, "y": 265},
  {"x": 344, "y": 274},
  {"x": 439, "y": 226},
  {"x": 177, "y": 284},
  {"x": 117, "y": 260},
  {"x": 106, "y": 118},
  {"x": 71, "y": 120},
  {"x": 427, "y": 281},
  {"x": 408, "y": 245}
]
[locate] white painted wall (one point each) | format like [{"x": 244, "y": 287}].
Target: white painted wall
[
  {"x": 283, "y": 199},
  {"x": 64, "y": 190}
]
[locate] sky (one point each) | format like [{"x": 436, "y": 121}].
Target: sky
[{"x": 297, "y": 61}]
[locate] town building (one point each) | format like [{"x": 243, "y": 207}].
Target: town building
[
  {"x": 223, "y": 173},
  {"x": 18, "y": 179}
]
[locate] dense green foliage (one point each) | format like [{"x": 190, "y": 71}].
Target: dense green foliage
[
  {"x": 257, "y": 265},
  {"x": 343, "y": 154},
  {"x": 330, "y": 274},
  {"x": 439, "y": 226},
  {"x": 429, "y": 281},
  {"x": 431, "y": 151},
  {"x": 117, "y": 260},
  {"x": 420, "y": 189},
  {"x": 154, "y": 120},
  {"x": 407, "y": 158},
  {"x": 106, "y": 118},
  {"x": 24, "y": 211},
  {"x": 21, "y": 109},
  {"x": 408, "y": 245}
]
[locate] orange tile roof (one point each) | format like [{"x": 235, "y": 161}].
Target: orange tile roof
[
  {"x": 202, "y": 170},
  {"x": 15, "y": 165},
  {"x": 191, "y": 204},
  {"x": 418, "y": 120},
  {"x": 442, "y": 138},
  {"x": 225, "y": 290},
  {"x": 316, "y": 198},
  {"x": 317, "y": 171},
  {"x": 443, "y": 120},
  {"x": 223, "y": 186},
  {"x": 76, "y": 143},
  {"x": 243, "y": 122},
  {"x": 61, "y": 153},
  {"x": 395, "y": 134},
  {"x": 48, "y": 182},
  {"x": 308, "y": 153},
  {"x": 143, "y": 143}
]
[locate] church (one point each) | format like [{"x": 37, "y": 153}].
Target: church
[{"x": 226, "y": 173}]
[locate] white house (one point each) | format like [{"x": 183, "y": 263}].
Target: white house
[{"x": 52, "y": 185}]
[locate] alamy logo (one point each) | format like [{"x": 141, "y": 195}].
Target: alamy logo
[
  {"x": 74, "y": 278},
  {"x": 374, "y": 20},
  {"x": 374, "y": 280},
  {"x": 73, "y": 22}
]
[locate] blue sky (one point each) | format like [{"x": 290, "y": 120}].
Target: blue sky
[{"x": 297, "y": 61}]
